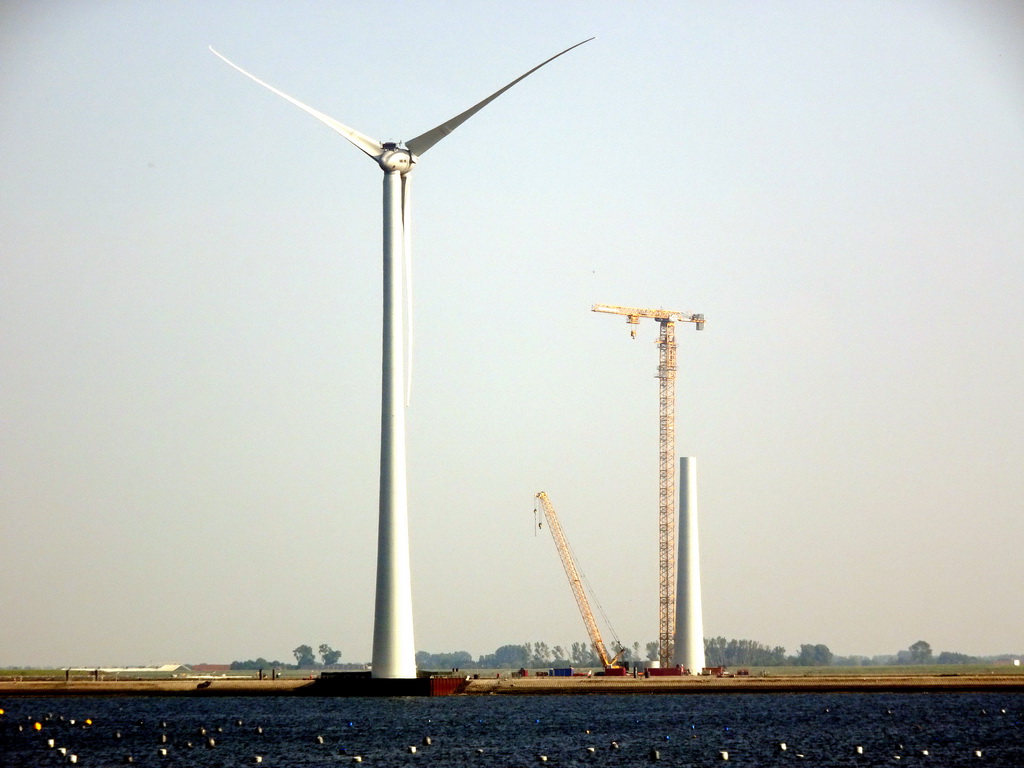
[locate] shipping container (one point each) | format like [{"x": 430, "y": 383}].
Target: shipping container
[{"x": 664, "y": 672}]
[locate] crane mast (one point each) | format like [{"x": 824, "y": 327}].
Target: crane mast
[
  {"x": 574, "y": 580},
  {"x": 666, "y": 458}
]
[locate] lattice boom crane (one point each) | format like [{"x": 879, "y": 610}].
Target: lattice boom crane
[
  {"x": 666, "y": 461},
  {"x": 574, "y": 581}
]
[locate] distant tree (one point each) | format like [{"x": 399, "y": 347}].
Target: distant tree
[
  {"x": 259, "y": 663},
  {"x": 920, "y": 653},
  {"x": 458, "y": 660},
  {"x": 578, "y": 654},
  {"x": 328, "y": 655},
  {"x": 452, "y": 660},
  {"x": 304, "y": 658},
  {"x": 714, "y": 651},
  {"x": 636, "y": 651},
  {"x": 652, "y": 651},
  {"x": 851, "y": 661},
  {"x": 948, "y": 657},
  {"x": 719, "y": 652},
  {"x": 541, "y": 655},
  {"x": 559, "y": 657},
  {"x": 511, "y": 656},
  {"x": 486, "y": 661},
  {"x": 584, "y": 655},
  {"x": 814, "y": 656}
]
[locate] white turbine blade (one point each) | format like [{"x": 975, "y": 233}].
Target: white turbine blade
[
  {"x": 425, "y": 141},
  {"x": 372, "y": 147},
  {"x": 407, "y": 248}
]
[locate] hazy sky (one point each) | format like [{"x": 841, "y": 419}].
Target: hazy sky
[{"x": 190, "y": 303}]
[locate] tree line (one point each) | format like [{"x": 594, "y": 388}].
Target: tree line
[
  {"x": 919, "y": 653},
  {"x": 718, "y": 652},
  {"x": 304, "y": 659}
]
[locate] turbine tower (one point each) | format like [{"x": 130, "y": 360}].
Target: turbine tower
[
  {"x": 688, "y": 650},
  {"x": 394, "y": 654}
]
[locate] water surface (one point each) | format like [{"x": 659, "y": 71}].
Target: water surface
[{"x": 493, "y": 732}]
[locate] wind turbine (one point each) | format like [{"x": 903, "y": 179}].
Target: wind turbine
[{"x": 394, "y": 654}]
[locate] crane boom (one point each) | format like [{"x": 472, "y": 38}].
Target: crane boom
[
  {"x": 666, "y": 460},
  {"x": 633, "y": 315},
  {"x": 574, "y": 580}
]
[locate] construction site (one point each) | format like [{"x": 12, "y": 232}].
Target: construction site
[{"x": 680, "y": 621}]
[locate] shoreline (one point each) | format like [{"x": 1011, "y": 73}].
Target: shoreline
[
  {"x": 731, "y": 685},
  {"x": 533, "y": 686}
]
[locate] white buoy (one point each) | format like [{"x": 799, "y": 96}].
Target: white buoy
[
  {"x": 319, "y": 739},
  {"x": 257, "y": 758},
  {"x": 50, "y": 743},
  {"x": 412, "y": 750},
  {"x": 427, "y": 741},
  {"x": 782, "y": 746},
  {"x": 859, "y": 750},
  {"x": 72, "y": 758},
  {"x": 63, "y": 751},
  {"x": 688, "y": 650},
  {"x": 724, "y": 755},
  {"x": 542, "y": 758},
  {"x": 357, "y": 759},
  {"x": 591, "y": 750},
  {"x": 977, "y": 753},
  {"x": 162, "y": 751},
  {"x": 924, "y": 753}
]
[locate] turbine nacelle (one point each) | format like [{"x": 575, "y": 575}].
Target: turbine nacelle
[{"x": 394, "y": 159}]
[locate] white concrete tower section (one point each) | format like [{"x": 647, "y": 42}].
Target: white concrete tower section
[
  {"x": 689, "y": 642},
  {"x": 394, "y": 650}
]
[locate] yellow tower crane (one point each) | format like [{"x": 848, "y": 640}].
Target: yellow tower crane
[
  {"x": 575, "y": 582},
  {"x": 667, "y": 460}
]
